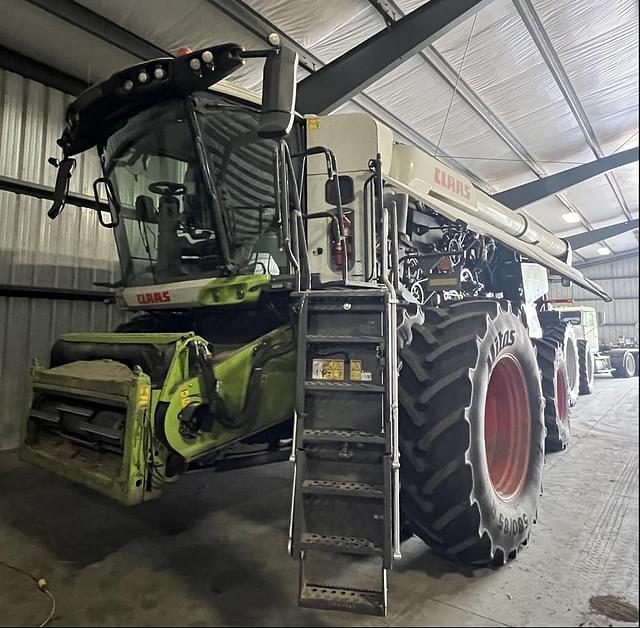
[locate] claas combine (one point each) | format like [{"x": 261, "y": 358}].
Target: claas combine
[{"x": 305, "y": 288}]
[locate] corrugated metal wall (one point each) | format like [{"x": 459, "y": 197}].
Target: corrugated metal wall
[
  {"x": 620, "y": 280},
  {"x": 70, "y": 252}
]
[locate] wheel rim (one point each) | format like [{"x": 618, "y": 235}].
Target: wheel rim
[
  {"x": 630, "y": 365},
  {"x": 590, "y": 366},
  {"x": 507, "y": 428},
  {"x": 561, "y": 397},
  {"x": 572, "y": 364}
]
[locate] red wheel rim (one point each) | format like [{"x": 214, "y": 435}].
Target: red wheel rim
[
  {"x": 507, "y": 428},
  {"x": 561, "y": 397}
]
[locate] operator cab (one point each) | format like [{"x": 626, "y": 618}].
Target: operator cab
[
  {"x": 193, "y": 177},
  {"x": 167, "y": 192}
]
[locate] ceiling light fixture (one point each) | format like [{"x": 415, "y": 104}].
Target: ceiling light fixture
[{"x": 572, "y": 217}]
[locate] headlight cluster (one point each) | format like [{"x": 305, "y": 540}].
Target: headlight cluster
[
  {"x": 206, "y": 58},
  {"x": 145, "y": 75}
]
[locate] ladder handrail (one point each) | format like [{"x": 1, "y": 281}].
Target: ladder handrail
[
  {"x": 392, "y": 382},
  {"x": 285, "y": 213}
]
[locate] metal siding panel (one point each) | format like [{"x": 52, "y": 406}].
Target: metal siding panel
[{"x": 71, "y": 252}]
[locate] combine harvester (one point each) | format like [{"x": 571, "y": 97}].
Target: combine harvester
[{"x": 306, "y": 288}]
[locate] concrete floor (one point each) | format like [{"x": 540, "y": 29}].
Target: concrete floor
[{"x": 212, "y": 551}]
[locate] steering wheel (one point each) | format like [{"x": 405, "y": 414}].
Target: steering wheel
[{"x": 167, "y": 187}]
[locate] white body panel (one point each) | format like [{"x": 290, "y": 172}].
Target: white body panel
[
  {"x": 454, "y": 197},
  {"x": 425, "y": 174},
  {"x": 354, "y": 138},
  {"x": 166, "y": 296},
  {"x": 535, "y": 282}
]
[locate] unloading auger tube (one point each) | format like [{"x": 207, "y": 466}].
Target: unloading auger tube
[{"x": 453, "y": 196}]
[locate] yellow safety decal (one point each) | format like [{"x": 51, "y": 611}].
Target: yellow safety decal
[
  {"x": 356, "y": 370},
  {"x": 184, "y": 397},
  {"x": 328, "y": 370},
  {"x": 443, "y": 281},
  {"x": 144, "y": 396},
  {"x": 313, "y": 123}
]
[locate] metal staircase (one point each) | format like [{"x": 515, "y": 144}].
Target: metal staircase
[{"x": 344, "y": 514}]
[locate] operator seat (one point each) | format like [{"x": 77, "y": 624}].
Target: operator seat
[
  {"x": 193, "y": 206},
  {"x": 169, "y": 253}
]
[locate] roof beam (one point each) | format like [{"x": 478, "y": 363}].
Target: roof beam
[
  {"x": 607, "y": 259},
  {"x": 351, "y": 73},
  {"x": 262, "y": 27},
  {"x": 581, "y": 240},
  {"x": 391, "y": 12},
  {"x": 541, "y": 39},
  {"x": 44, "y": 192},
  {"x": 121, "y": 38},
  {"x": 101, "y": 27},
  {"x": 37, "y": 71},
  {"x": 536, "y": 190}
]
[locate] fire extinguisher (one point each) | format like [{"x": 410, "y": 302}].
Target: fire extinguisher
[{"x": 337, "y": 246}]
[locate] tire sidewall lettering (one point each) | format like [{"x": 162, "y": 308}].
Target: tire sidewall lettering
[
  {"x": 512, "y": 518},
  {"x": 513, "y": 526}
]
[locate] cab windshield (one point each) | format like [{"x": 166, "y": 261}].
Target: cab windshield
[
  {"x": 179, "y": 209},
  {"x": 571, "y": 316}
]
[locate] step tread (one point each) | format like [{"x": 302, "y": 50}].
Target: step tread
[
  {"x": 338, "y": 598},
  {"x": 344, "y": 386},
  {"x": 340, "y": 544},
  {"x": 343, "y": 488},
  {"x": 339, "y": 308},
  {"x": 367, "y": 292},
  {"x": 325, "y": 338},
  {"x": 342, "y": 436}
]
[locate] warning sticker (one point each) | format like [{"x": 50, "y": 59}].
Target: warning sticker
[
  {"x": 144, "y": 396},
  {"x": 332, "y": 370},
  {"x": 184, "y": 397},
  {"x": 313, "y": 123},
  {"x": 356, "y": 370}
]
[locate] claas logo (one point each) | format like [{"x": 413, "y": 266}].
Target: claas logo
[
  {"x": 148, "y": 298},
  {"x": 457, "y": 186}
]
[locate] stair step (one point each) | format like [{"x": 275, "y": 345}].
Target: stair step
[
  {"x": 342, "y": 489},
  {"x": 320, "y": 338},
  {"x": 344, "y": 386},
  {"x": 340, "y": 544},
  {"x": 349, "y": 600},
  {"x": 377, "y": 308},
  {"x": 368, "y": 292},
  {"x": 342, "y": 436}
]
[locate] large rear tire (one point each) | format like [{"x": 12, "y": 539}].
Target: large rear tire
[
  {"x": 564, "y": 334},
  {"x": 471, "y": 431},
  {"x": 556, "y": 394},
  {"x": 586, "y": 367}
]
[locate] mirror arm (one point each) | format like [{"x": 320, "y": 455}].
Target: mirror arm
[
  {"x": 112, "y": 201},
  {"x": 254, "y": 54},
  {"x": 65, "y": 169}
]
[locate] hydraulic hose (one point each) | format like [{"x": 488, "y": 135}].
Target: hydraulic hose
[{"x": 253, "y": 398}]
